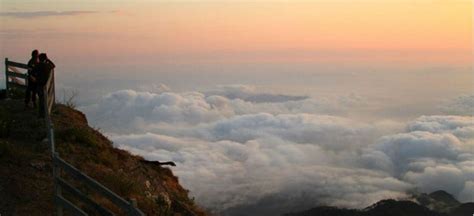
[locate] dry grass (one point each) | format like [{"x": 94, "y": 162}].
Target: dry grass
[{"x": 24, "y": 158}]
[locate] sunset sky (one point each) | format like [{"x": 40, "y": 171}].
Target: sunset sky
[{"x": 435, "y": 32}]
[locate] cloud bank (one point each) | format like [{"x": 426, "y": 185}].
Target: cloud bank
[{"x": 240, "y": 150}]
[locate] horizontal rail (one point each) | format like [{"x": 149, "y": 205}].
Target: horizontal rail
[
  {"x": 69, "y": 206},
  {"x": 83, "y": 198},
  {"x": 16, "y": 64},
  {"x": 18, "y": 85},
  {"x": 14, "y": 70},
  {"x": 15, "y": 74},
  {"x": 96, "y": 186}
]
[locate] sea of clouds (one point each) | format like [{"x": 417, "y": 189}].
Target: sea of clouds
[{"x": 242, "y": 150}]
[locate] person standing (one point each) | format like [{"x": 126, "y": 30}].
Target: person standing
[
  {"x": 31, "y": 88},
  {"x": 44, "y": 69}
]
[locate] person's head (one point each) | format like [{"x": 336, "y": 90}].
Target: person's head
[
  {"x": 34, "y": 54},
  {"x": 43, "y": 57}
]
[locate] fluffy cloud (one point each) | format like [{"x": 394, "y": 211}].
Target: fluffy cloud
[
  {"x": 144, "y": 109},
  {"x": 240, "y": 150},
  {"x": 435, "y": 153},
  {"x": 225, "y": 174}
]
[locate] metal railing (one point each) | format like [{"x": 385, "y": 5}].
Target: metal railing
[
  {"x": 60, "y": 184},
  {"x": 61, "y": 166},
  {"x": 14, "y": 78}
]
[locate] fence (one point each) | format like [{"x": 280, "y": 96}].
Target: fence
[
  {"x": 60, "y": 166},
  {"x": 14, "y": 77}
]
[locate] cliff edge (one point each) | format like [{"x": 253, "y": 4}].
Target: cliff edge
[{"x": 26, "y": 183}]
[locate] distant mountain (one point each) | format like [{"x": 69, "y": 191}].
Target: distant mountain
[
  {"x": 273, "y": 204},
  {"x": 438, "y": 203},
  {"x": 398, "y": 208},
  {"x": 328, "y": 211},
  {"x": 382, "y": 208},
  {"x": 444, "y": 197}
]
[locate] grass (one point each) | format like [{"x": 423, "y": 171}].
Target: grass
[
  {"x": 7, "y": 150},
  {"x": 5, "y": 123},
  {"x": 16, "y": 93},
  {"x": 80, "y": 135},
  {"x": 120, "y": 183},
  {"x": 19, "y": 154},
  {"x": 108, "y": 159},
  {"x": 69, "y": 98}
]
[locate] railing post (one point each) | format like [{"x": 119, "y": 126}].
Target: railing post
[
  {"x": 6, "y": 77},
  {"x": 45, "y": 105},
  {"x": 53, "y": 95},
  {"x": 133, "y": 209},
  {"x": 52, "y": 143},
  {"x": 133, "y": 202},
  {"x": 57, "y": 187}
]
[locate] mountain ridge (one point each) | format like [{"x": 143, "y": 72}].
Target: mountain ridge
[{"x": 437, "y": 203}]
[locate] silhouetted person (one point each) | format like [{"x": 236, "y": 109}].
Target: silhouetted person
[
  {"x": 32, "y": 78},
  {"x": 43, "y": 70}
]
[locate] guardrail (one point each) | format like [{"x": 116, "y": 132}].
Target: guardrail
[
  {"x": 130, "y": 207},
  {"x": 14, "y": 78},
  {"x": 61, "y": 166}
]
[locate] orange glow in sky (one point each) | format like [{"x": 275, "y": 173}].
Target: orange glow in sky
[{"x": 234, "y": 31}]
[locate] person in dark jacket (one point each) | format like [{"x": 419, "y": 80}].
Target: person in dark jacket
[
  {"x": 43, "y": 70},
  {"x": 31, "y": 83}
]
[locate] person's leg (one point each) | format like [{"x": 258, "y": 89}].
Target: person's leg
[
  {"x": 28, "y": 95},
  {"x": 33, "y": 94},
  {"x": 41, "y": 102}
]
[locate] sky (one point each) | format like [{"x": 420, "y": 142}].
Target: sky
[
  {"x": 270, "y": 106},
  {"x": 356, "y": 32}
]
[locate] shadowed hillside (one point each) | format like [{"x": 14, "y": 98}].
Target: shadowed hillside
[{"x": 26, "y": 183}]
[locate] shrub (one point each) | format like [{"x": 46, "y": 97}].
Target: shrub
[{"x": 69, "y": 98}]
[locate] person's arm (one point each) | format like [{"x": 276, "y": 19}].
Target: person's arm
[
  {"x": 30, "y": 67},
  {"x": 51, "y": 63}
]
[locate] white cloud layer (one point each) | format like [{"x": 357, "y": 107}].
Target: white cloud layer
[{"x": 240, "y": 150}]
